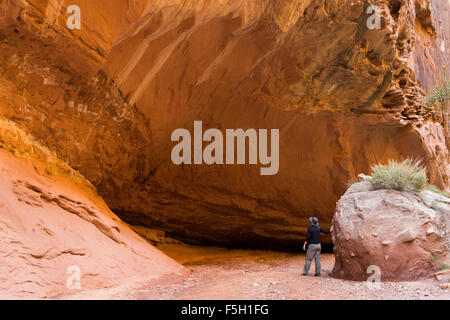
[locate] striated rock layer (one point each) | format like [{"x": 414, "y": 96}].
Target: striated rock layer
[
  {"x": 56, "y": 234},
  {"x": 398, "y": 234},
  {"x": 106, "y": 99}
]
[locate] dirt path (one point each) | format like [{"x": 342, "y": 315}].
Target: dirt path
[
  {"x": 217, "y": 273},
  {"x": 246, "y": 274}
]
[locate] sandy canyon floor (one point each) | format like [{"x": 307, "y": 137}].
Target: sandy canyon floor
[{"x": 217, "y": 273}]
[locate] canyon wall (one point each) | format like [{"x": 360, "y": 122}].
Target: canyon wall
[
  {"x": 107, "y": 97},
  {"x": 57, "y": 236}
]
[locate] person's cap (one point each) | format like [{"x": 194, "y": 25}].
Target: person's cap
[{"x": 314, "y": 220}]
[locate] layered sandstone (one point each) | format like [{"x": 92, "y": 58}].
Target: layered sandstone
[
  {"x": 106, "y": 99},
  {"x": 399, "y": 234},
  {"x": 57, "y": 235}
]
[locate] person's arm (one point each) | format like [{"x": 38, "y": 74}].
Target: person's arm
[
  {"x": 325, "y": 231},
  {"x": 308, "y": 237}
]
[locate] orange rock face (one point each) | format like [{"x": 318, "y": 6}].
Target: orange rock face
[
  {"x": 107, "y": 97},
  {"x": 57, "y": 235}
]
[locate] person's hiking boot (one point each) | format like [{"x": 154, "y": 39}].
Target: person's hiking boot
[
  {"x": 317, "y": 275},
  {"x": 304, "y": 274}
]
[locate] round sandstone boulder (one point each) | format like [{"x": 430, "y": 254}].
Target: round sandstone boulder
[{"x": 401, "y": 233}]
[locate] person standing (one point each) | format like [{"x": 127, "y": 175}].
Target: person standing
[{"x": 313, "y": 242}]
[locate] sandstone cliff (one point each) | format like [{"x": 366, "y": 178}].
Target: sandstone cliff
[
  {"x": 56, "y": 234},
  {"x": 106, "y": 98}
]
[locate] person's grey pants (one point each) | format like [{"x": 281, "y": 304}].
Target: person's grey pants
[{"x": 312, "y": 252}]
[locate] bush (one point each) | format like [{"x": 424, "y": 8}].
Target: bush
[
  {"x": 441, "y": 264},
  {"x": 440, "y": 95},
  {"x": 406, "y": 175},
  {"x": 435, "y": 189}
]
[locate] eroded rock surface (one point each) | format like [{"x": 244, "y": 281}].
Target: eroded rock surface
[
  {"x": 57, "y": 235},
  {"x": 106, "y": 99},
  {"x": 401, "y": 233}
]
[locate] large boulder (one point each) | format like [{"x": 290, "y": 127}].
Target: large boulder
[{"x": 402, "y": 233}]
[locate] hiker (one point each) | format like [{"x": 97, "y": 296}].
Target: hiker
[{"x": 313, "y": 242}]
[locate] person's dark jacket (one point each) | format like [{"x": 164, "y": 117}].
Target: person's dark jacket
[{"x": 313, "y": 236}]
